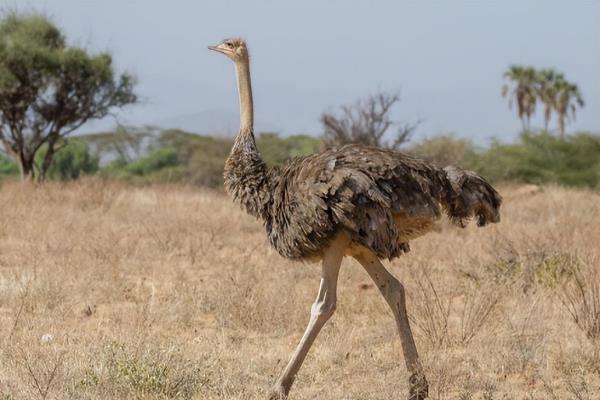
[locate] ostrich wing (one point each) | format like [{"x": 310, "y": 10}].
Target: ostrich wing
[{"x": 362, "y": 190}]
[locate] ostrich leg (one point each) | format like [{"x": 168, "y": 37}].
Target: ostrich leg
[
  {"x": 320, "y": 312},
  {"x": 393, "y": 292}
]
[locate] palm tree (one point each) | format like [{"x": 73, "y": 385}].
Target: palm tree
[
  {"x": 568, "y": 98},
  {"x": 546, "y": 91},
  {"x": 523, "y": 92}
]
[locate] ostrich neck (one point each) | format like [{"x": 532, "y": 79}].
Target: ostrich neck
[
  {"x": 246, "y": 175},
  {"x": 242, "y": 70}
]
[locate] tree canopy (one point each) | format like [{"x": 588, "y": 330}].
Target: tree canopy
[{"x": 49, "y": 89}]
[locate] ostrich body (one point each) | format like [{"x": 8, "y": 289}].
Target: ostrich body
[{"x": 357, "y": 201}]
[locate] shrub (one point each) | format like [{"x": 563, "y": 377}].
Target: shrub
[
  {"x": 543, "y": 158},
  {"x": 7, "y": 166},
  {"x": 276, "y": 150},
  {"x": 155, "y": 161},
  {"x": 446, "y": 150},
  {"x": 70, "y": 162},
  {"x": 581, "y": 298},
  {"x": 146, "y": 372}
]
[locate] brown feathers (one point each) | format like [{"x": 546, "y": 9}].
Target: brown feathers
[
  {"x": 380, "y": 198},
  {"x": 246, "y": 176}
]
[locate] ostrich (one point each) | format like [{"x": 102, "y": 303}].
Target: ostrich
[{"x": 357, "y": 201}]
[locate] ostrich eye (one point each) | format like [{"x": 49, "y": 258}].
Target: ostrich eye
[{"x": 229, "y": 45}]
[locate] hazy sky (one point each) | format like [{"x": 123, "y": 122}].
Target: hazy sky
[{"x": 446, "y": 57}]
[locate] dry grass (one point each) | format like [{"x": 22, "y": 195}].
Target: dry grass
[{"x": 108, "y": 291}]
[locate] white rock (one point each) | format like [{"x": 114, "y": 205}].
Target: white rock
[{"x": 46, "y": 338}]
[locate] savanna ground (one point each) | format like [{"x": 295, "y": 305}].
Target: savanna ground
[{"x": 109, "y": 291}]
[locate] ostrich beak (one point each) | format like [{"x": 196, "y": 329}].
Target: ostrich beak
[{"x": 220, "y": 48}]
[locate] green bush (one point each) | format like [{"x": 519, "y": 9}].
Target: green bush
[
  {"x": 155, "y": 161},
  {"x": 8, "y": 167},
  {"x": 201, "y": 158},
  {"x": 446, "y": 150},
  {"x": 116, "y": 169},
  {"x": 138, "y": 372},
  {"x": 276, "y": 150},
  {"x": 543, "y": 158},
  {"x": 160, "y": 165},
  {"x": 70, "y": 162}
]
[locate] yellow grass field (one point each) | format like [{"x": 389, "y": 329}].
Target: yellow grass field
[{"x": 115, "y": 292}]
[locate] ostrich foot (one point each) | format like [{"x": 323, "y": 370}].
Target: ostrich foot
[
  {"x": 419, "y": 388},
  {"x": 277, "y": 392}
]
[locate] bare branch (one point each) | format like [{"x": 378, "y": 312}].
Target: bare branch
[{"x": 367, "y": 122}]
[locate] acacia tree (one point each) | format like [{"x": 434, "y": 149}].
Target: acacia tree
[
  {"x": 366, "y": 122},
  {"x": 48, "y": 89}
]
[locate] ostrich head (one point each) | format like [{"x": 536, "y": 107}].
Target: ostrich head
[{"x": 235, "y": 49}]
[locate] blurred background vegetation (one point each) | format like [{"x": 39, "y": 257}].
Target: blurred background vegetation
[
  {"x": 147, "y": 155},
  {"x": 49, "y": 89}
]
